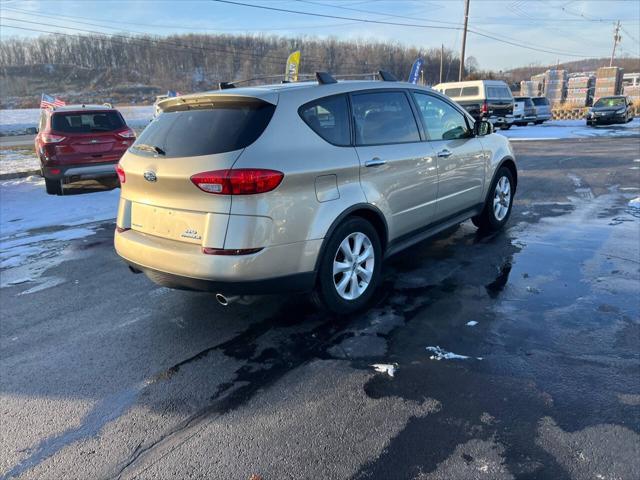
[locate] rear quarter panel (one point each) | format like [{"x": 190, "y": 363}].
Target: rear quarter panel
[{"x": 297, "y": 209}]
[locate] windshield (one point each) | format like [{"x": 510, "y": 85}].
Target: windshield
[
  {"x": 87, "y": 122},
  {"x": 610, "y": 102},
  {"x": 217, "y": 128}
]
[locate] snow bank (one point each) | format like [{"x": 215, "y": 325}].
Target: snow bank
[
  {"x": 15, "y": 122},
  {"x": 18, "y": 160},
  {"x": 30, "y": 220},
  {"x": 561, "y": 129}
]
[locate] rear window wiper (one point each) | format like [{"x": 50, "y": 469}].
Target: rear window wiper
[{"x": 150, "y": 148}]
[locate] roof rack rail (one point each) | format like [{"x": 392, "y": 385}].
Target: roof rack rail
[
  {"x": 324, "y": 78},
  {"x": 387, "y": 77},
  {"x": 226, "y": 85}
]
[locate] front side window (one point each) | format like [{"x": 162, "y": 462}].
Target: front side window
[
  {"x": 329, "y": 118},
  {"x": 442, "y": 121},
  {"x": 383, "y": 117},
  {"x": 218, "y": 128}
]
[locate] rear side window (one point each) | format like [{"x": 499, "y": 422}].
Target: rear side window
[
  {"x": 453, "y": 92},
  {"x": 329, "y": 118},
  {"x": 469, "y": 92},
  {"x": 216, "y": 128},
  {"x": 384, "y": 117},
  {"x": 87, "y": 122}
]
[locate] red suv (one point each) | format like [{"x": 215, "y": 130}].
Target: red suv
[{"x": 79, "y": 142}]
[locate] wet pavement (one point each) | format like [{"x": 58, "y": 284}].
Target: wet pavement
[{"x": 105, "y": 375}]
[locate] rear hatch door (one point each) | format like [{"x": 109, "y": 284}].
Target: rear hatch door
[
  {"x": 160, "y": 197},
  {"x": 90, "y": 136}
]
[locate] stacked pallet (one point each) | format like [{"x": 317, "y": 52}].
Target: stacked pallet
[
  {"x": 608, "y": 81},
  {"x": 633, "y": 92},
  {"x": 555, "y": 86},
  {"x": 580, "y": 90},
  {"x": 529, "y": 88}
]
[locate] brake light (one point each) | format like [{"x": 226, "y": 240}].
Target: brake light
[
  {"x": 233, "y": 251},
  {"x": 54, "y": 171},
  {"x": 51, "y": 138},
  {"x": 128, "y": 133},
  {"x": 241, "y": 181},
  {"x": 121, "y": 175},
  {"x": 485, "y": 108}
]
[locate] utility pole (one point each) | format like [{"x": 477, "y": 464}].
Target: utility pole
[
  {"x": 464, "y": 39},
  {"x": 441, "y": 60},
  {"x": 616, "y": 40}
]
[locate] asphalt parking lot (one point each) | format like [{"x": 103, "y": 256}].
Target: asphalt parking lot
[{"x": 105, "y": 375}]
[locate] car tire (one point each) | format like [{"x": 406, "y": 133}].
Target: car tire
[
  {"x": 494, "y": 217},
  {"x": 54, "y": 187},
  {"x": 505, "y": 127},
  {"x": 331, "y": 293}
]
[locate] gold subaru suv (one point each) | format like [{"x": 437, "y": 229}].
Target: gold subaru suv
[{"x": 304, "y": 187}]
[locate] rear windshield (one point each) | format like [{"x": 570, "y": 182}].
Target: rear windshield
[
  {"x": 87, "y": 122},
  {"x": 540, "y": 101},
  {"x": 499, "y": 92},
  {"x": 610, "y": 102},
  {"x": 218, "y": 128},
  {"x": 527, "y": 101}
]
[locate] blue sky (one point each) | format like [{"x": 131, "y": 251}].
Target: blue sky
[{"x": 568, "y": 29}]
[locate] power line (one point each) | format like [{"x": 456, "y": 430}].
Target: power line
[
  {"x": 179, "y": 27},
  {"x": 381, "y": 22}
]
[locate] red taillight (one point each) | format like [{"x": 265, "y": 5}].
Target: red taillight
[
  {"x": 121, "y": 229},
  {"x": 121, "y": 175},
  {"x": 233, "y": 251},
  {"x": 54, "y": 171},
  {"x": 51, "y": 138},
  {"x": 485, "y": 107},
  {"x": 241, "y": 181},
  {"x": 128, "y": 133}
]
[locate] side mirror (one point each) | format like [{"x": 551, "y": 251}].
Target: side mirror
[{"x": 482, "y": 128}]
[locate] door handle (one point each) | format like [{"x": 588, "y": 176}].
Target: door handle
[
  {"x": 374, "y": 162},
  {"x": 444, "y": 153}
]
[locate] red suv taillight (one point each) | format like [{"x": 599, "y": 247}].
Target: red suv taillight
[
  {"x": 121, "y": 175},
  {"x": 51, "y": 138},
  {"x": 485, "y": 108},
  {"x": 128, "y": 134},
  {"x": 241, "y": 181}
]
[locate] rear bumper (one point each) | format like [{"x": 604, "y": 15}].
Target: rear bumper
[
  {"x": 501, "y": 120},
  {"x": 543, "y": 117},
  {"x": 280, "y": 268},
  {"x": 294, "y": 283},
  {"x": 80, "y": 172}
]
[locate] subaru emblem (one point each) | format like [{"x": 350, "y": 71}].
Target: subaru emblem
[{"x": 150, "y": 176}]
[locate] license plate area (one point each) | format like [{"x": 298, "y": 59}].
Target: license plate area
[{"x": 180, "y": 225}]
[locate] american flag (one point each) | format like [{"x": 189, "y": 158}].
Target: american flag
[{"x": 47, "y": 101}]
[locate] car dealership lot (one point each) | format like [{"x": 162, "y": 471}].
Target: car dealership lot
[{"x": 106, "y": 375}]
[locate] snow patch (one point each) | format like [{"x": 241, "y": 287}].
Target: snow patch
[
  {"x": 388, "y": 368},
  {"x": 441, "y": 354}
]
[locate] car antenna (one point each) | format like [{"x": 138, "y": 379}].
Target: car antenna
[
  {"x": 324, "y": 78},
  {"x": 387, "y": 77}
]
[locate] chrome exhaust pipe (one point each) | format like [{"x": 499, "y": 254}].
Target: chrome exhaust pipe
[
  {"x": 241, "y": 299},
  {"x": 224, "y": 300}
]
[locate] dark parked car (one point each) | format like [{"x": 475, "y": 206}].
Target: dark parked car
[
  {"x": 80, "y": 142},
  {"x": 609, "y": 110}
]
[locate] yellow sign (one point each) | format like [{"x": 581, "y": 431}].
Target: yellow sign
[{"x": 293, "y": 63}]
